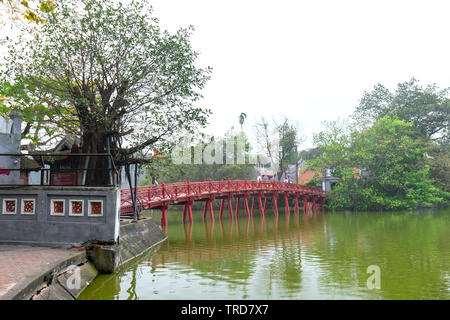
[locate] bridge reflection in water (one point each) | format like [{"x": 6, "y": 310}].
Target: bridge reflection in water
[
  {"x": 302, "y": 256},
  {"x": 218, "y": 254}
]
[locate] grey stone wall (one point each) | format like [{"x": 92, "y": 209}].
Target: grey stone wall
[{"x": 45, "y": 227}]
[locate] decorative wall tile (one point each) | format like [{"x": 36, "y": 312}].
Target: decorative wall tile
[
  {"x": 95, "y": 208},
  {"x": 76, "y": 208},
  {"x": 28, "y": 206},
  {"x": 9, "y": 206},
  {"x": 57, "y": 207}
]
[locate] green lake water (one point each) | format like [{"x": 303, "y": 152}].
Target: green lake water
[{"x": 315, "y": 256}]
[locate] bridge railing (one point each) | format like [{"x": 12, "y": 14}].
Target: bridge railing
[{"x": 173, "y": 191}]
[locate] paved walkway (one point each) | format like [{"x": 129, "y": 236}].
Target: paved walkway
[{"x": 20, "y": 265}]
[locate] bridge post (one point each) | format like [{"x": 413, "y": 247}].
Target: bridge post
[
  {"x": 164, "y": 215},
  {"x": 222, "y": 201},
  {"x": 296, "y": 204},
  {"x": 237, "y": 206},
  {"x": 305, "y": 204},
  {"x": 286, "y": 201},
  {"x": 253, "y": 205},
  {"x": 205, "y": 209},
  {"x": 275, "y": 203},
  {"x": 211, "y": 211},
  {"x": 315, "y": 204},
  {"x": 184, "y": 213},
  {"x": 261, "y": 208},
  {"x": 230, "y": 205},
  {"x": 247, "y": 211},
  {"x": 188, "y": 210},
  {"x": 191, "y": 219},
  {"x": 265, "y": 204}
]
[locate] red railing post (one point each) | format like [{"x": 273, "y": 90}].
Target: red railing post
[{"x": 163, "y": 190}]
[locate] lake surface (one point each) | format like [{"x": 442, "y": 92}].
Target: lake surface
[{"x": 315, "y": 256}]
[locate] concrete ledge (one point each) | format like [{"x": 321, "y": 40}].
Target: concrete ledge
[
  {"x": 53, "y": 292},
  {"x": 105, "y": 258},
  {"x": 68, "y": 284},
  {"x": 136, "y": 238},
  {"x": 28, "y": 289},
  {"x": 76, "y": 278}
]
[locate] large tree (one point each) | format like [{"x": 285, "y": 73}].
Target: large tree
[
  {"x": 393, "y": 161},
  {"x": 428, "y": 108},
  {"x": 105, "y": 71},
  {"x": 278, "y": 142}
]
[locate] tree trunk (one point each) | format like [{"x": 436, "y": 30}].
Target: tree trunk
[{"x": 95, "y": 141}]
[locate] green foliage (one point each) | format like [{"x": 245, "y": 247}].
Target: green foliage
[
  {"x": 393, "y": 162},
  {"x": 428, "y": 108},
  {"x": 309, "y": 154},
  {"x": 439, "y": 158},
  {"x": 315, "y": 182},
  {"x": 106, "y": 72}
]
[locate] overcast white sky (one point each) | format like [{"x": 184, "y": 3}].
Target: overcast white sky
[{"x": 309, "y": 60}]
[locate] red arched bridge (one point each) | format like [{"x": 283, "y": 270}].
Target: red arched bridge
[{"x": 164, "y": 195}]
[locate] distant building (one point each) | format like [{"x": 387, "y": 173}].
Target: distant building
[
  {"x": 10, "y": 140},
  {"x": 328, "y": 180},
  {"x": 327, "y": 177},
  {"x": 10, "y": 137},
  {"x": 265, "y": 173},
  {"x": 305, "y": 175}
]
